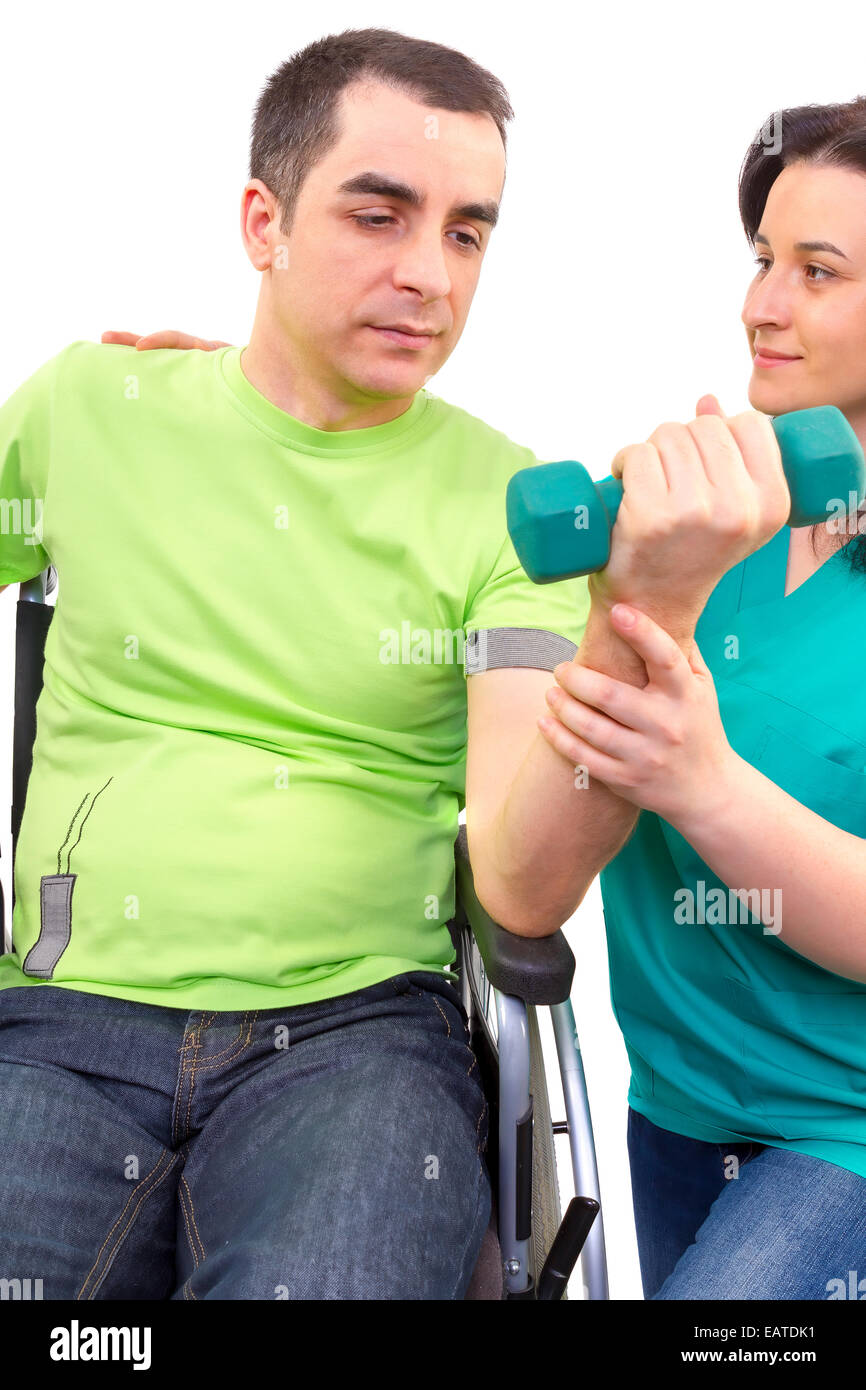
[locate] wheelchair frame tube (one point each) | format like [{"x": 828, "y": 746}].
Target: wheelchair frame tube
[
  {"x": 513, "y": 1047},
  {"x": 593, "y": 1260}
]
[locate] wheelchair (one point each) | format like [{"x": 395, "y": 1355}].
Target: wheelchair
[{"x": 529, "y": 1249}]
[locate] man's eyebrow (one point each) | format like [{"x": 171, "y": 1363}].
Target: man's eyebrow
[
  {"x": 387, "y": 187},
  {"x": 809, "y": 246}
]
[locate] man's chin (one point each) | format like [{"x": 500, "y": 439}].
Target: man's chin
[{"x": 390, "y": 385}]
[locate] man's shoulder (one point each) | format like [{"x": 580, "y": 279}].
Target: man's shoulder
[
  {"x": 82, "y": 360},
  {"x": 85, "y": 354},
  {"x": 491, "y": 447},
  {"x": 85, "y": 359}
]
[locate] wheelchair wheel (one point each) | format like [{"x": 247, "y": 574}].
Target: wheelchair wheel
[{"x": 546, "y": 1212}]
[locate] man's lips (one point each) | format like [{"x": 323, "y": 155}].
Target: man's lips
[
  {"x": 415, "y": 341},
  {"x": 419, "y": 332}
]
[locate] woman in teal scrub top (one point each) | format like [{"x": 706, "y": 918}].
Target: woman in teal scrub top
[{"x": 744, "y": 1012}]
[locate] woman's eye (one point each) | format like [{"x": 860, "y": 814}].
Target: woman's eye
[
  {"x": 821, "y": 271},
  {"x": 381, "y": 217},
  {"x": 762, "y": 260}
]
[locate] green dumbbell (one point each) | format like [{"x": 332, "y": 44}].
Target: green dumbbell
[{"x": 560, "y": 520}]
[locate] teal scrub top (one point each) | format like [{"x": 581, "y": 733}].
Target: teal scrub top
[{"x": 731, "y": 1034}]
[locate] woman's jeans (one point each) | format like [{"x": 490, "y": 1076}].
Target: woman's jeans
[
  {"x": 330, "y": 1150},
  {"x": 743, "y": 1220}
]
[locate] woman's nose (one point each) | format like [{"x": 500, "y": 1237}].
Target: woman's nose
[{"x": 767, "y": 302}]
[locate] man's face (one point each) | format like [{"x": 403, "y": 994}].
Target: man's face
[{"x": 355, "y": 261}]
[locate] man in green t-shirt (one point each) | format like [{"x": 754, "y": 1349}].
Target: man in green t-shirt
[{"x": 291, "y": 631}]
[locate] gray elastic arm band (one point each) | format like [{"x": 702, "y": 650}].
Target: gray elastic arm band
[{"x": 489, "y": 647}]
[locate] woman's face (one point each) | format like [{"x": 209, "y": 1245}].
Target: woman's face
[{"x": 808, "y": 301}]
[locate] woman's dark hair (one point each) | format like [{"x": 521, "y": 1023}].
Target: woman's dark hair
[
  {"x": 833, "y": 135},
  {"x": 296, "y": 119}
]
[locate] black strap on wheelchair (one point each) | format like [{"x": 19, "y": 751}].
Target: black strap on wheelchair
[{"x": 31, "y": 627}]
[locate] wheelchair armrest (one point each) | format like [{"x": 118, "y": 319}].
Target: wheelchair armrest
[{"x": 538, "y": 969}]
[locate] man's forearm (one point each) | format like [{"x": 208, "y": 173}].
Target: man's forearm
[{"x": 553, "y": 833}]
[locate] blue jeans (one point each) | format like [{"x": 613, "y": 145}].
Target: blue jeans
[
  {"x": 329, "y": 1150},
  {"x": 788, "y": 1226}
]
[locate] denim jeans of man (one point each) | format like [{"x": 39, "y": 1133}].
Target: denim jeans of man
[
  {"x": 332, "y": 1150},
  {"x": 774, "y": 1225}
]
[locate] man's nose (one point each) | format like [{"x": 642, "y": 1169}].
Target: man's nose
[{"x": 420, "y": 265}]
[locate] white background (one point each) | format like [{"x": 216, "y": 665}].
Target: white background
[{"x": 610, "y": 296}]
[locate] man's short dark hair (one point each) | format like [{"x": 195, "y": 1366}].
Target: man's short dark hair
[{"x": 296, "y": 118}]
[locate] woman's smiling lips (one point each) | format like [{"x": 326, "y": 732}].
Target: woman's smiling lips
[{"x": 765, "y": 358}]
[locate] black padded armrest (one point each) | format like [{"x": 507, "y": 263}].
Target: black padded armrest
[{"x": 538, "y": 970}]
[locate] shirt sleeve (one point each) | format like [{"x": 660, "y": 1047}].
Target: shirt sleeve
[
  {"x": 25, "y": 447},
  {"x": 512, "y": 621}
]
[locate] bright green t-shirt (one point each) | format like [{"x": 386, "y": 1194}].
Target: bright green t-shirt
[
  {"x": 250, "y": 753},
  {"x": 732, "y": 1034}
]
